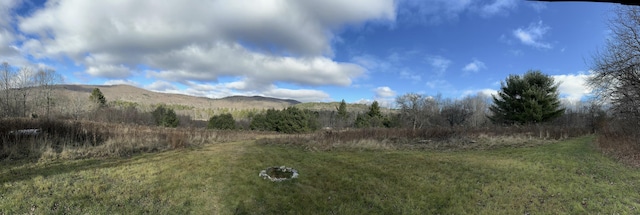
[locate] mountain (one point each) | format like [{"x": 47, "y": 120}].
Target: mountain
[{"x": 131, "y": 94}]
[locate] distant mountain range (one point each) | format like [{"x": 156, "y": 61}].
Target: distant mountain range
[{"x": 131, "y": 94}]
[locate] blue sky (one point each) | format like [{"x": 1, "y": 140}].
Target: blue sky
[{"x": 314, "y": 50}]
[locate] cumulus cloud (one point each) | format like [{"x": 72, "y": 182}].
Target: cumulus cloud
[
  {"x": 573, "y": 87},
  {"x": 474, "y": 66},
  {"x": 259, "y": 70},
  {"x": 9, "y": 52},
  {"x": 533, "y": 34},
  {"x": 300, "y": 27},
  {"x": 264, "y": 42},
  {"x": 384, "y": 92},
  {"x": 109, "y": 71}
]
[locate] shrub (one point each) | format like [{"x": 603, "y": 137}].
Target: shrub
[
  {"x": 165, "y": 117},
  {"x": 222, "y": 122},
  {"x": 290, "y": 120}
]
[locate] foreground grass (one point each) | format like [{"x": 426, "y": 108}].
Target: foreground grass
[{"x": 566, "y": 177}]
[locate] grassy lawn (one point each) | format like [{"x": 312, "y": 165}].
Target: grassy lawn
[{"x": 567, "y": 177}]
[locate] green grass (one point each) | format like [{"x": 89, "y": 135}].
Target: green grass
[{"x": 569, "y": 177}]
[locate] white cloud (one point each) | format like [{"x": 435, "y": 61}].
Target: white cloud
[
  {"x": 385, "y": 96},
  {"x": 8, "y": 50},
  {"x": 364, "y": 101},
  {"x": 431, "y": 12},
  {"x": 438, "y": 84},
  {"x": 474, "y": 66},
  {"x": 573, "y": 87},
  {"x": 384, "y": 92},
  {"x": 160, "y": 86},
  {"x": 259, "y": 70},
  {"x": 538, "y": 6},
  {"x": 109, "y": 71},
  {"x": 265, "y": 42},
  {"x": 303, "y": 95},
  {"x": 498, "y": 7},
  {"x": 120, "y": 82},
  {"x": 533, "y": 34},
  {"x": 439, "y": 64},
  {"x": 407, "y": 74},
  {"x": 372, "y": 63},
  {"x": 438, "y": 11},
  {"x": 302, "y": 27},
  {"x": 485, "y": 92},
  {"x": 224, "y": 90}
]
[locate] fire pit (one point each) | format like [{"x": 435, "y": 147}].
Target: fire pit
[{"x": 277, "y": 174}]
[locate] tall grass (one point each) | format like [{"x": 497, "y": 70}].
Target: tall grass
[
  {"x": 621, "y": 141},
  {"x": 449, "y": 138},
  {"x": 68, "y": 139}
]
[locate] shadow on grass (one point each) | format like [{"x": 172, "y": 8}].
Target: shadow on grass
[{"x": 14, "y": 171}]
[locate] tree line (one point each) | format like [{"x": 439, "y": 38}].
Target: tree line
[
  {"x": 530, "y": 98},
  {"x": 27, "y": 91}
]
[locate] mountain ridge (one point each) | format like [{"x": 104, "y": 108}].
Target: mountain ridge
[{"x": 128, "y": 93}]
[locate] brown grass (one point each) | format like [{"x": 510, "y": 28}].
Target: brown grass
[
  {"x": 621, "y": 144},
  {"x": 67, "y": 139},
  {"x": 435, "y": 138}
]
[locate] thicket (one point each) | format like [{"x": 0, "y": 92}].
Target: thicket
[
  {"x": 373, "y": 118},
  {"x": 289, "y": 120},
  {"x": 616, "y": 81},
  {"x": 165, "y": 116},
  {"x": 26, "y": 91},
  {"x": 222, "y": 122},
  {"x": 49, "y": 139}
]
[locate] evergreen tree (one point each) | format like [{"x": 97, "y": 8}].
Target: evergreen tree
[
  {"x": 165, "y": 117},
  {"x": 374, "y": 110},
  {"x": 531, "y": 98},
  {"x": 343, "y": 115},
  {"x": 372, "y": 118},
  {"x": 290, "y": 120},
  {"x": 222, "y": 121},
  {"x": 362, "y": 121},
  {"x": 98, "y": 98}
]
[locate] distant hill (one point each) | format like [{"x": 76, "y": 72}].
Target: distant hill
[
  {"x": 201, "y": 108},
  {"x": 332, "y": 106},
  {"x": 131, "y": 94}
]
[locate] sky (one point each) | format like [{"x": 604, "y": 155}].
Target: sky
[{"x": 307, "y": 50}]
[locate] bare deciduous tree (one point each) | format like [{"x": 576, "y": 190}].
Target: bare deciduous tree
[
  {"x": 46, "y": 79},
  {"x": 411, "y": 106},
  {"x": 6, "y": 75},
  {"x": 24, "y": 83},
  {"x": 456, "y": 112},
  {"x": 616, "y": 76},
  {"x": 479, "y": 105}
]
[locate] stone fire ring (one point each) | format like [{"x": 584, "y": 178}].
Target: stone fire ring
[{"x": 276, "y": 173}]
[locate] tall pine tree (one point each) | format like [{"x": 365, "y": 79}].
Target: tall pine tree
[{"x": 531, "y": 98}]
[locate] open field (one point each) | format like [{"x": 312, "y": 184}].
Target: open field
[{"x": 558, "y": 178}]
